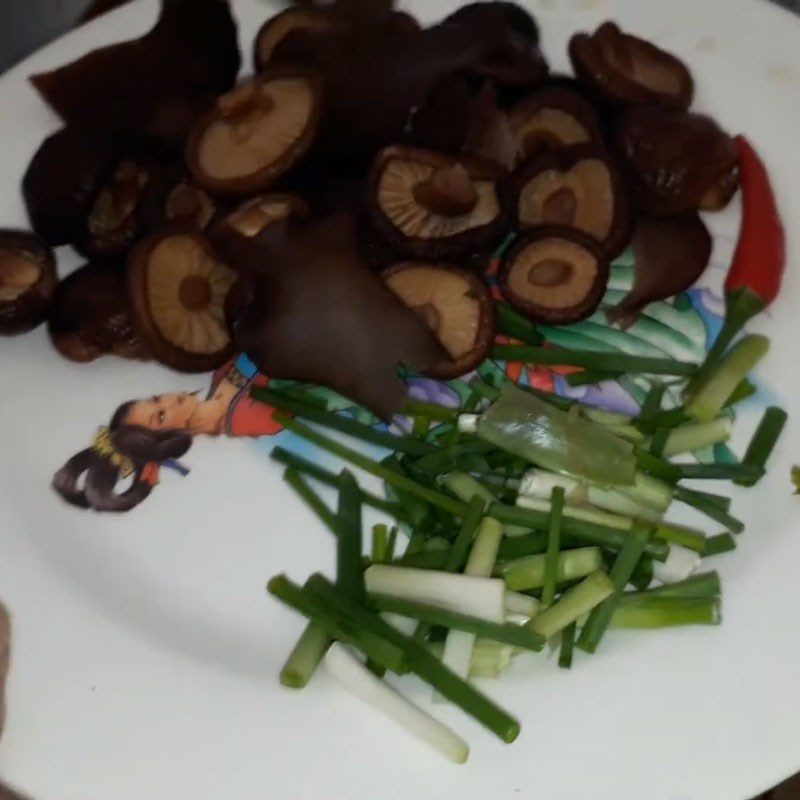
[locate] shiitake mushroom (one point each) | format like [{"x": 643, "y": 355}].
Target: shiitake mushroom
[
  {"x": 299, "y": 35},
  {"x": 177, "y": 288},
  {"x": 90, "y": 317},
  {"x": 554, "y": 275},
  {"x": 155, "y": 86},
  {"x": 429, "y": 205},
  {"x": 28, "y": 281},
  {"x": 623, "y": 70},
  {"x": 552, "y": 118},
  {"x": 676, "y": 161},
  {"x": 579, "y": 187},
  {"x": 63, "y": 180},
  {"x": 172, "y": 198},
  {"x": 253, "y": 216},
  {"x": 455, "y": 304},
  {"x": 256, "y": 133}
]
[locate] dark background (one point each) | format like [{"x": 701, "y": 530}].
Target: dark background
[{"x": 26, "y": 25}]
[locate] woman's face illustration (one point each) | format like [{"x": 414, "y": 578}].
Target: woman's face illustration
[{"x": 166, "y": 412}]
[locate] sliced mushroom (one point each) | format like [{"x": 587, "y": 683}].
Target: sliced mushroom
[
  {"x": 624, "y": 70},
  {"x": 579, "y": 187},
  {"x": 257, "y": 132},
  {"x": 677, "y": 161},
  {"x": 177, "y": 289},
  {"x": 552, "y": 118},
  {"x": 554, "y": 275},
  {"x": 254, "y": 215},
  {"x": 90, "y": 316},
  {"x": 28, "y": 281},
  {"x": 433, "y": 206},
  {"x": 63, "y": 180},
  {"x": 155, "y": 86},
  {"x": 455, "y": 304},
  {"x": 300, "y": 36},
  {"x": 114, "y": 223}
]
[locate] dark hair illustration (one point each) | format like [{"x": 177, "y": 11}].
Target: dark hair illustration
[{"x": 119, "y": 450}]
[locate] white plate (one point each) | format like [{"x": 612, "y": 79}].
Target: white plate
[{"x": 145, "y": 652}]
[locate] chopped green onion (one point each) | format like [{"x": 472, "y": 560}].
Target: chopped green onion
[
  {"x": 652, "y": 402},
  {"x": 721, "y": 501},
  {"x": 515, "y": 635},
  {"x": 433, "y": 411},
  {"x": 659, "y": 442},
  {"x": 682, "y": 535},
  {"x": 592, "y": 359},
  {"x": 522, "y": 605},
  {"x": 391, "y": 544},
  {"x": 643, "y": 574},
  {"x": 551, "y": 563},
  {"x": 764, "y": 440},
  {"x": 567, "y": 646},
  {"x": 509, "y": 323},
  {"x": 380, "y": 539},
  {"x": 707, "y": 584},
  {"x": 716, "y": 545},
  {"x": 666, "y": 612},
  {"x": 312, "y": 470},
  {"x": 418, "y": 512},
  {"x": 343, "y": 424},
  {"x": 720, "y": 472},
  {"x": 349, "y": 567},
  {"x": 420, "y": 427},
  {"x": 715, "y": 389},
  {"x": 709, "y": 508},
  {"x": 743, "y": 391},
  {"x": 673, "y": 418},
  {"x": 466, "y": 489},
  {"x": 425, "y": 665},
  {"x": 530, "y": 544},
  {"x": 657, "y": 467},
  {"x": 426, "y": 559},
  {"x": 592, "y": 632},
  {"x": 688, "y": 438},
  {"x": 573, "y": 604},
  {"x": 305, "y": 657},
  {"x": 442, "y": 460},
  {"x": 457, "y": 556},
  {"x": 586, "y": 532},
  {"x": 528, "y": 572},
  {"x": 311, "y": 499},
  {"x": 590, "y": 377},
  {"x": 367, "y": 464}
]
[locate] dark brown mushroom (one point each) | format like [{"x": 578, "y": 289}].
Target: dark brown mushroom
[
  {"x": 670, "y": 255},
  {"x": 677, "y": 161},
  {"x": 114, "y": 221},
  {"x": 554, "y": 275},
  {"x": 90, "y": 316},
  {"x": 299, "y": 36},
  {"x": 428, "y": 205},
  {"x": 455, "y": 304},
  {"x": 256, "y": 133},
  {"x": 254, "y": 215},
  {"x": 623, "y": 70},
  {"x": 177, "y": 288},
  {"x": 552, "y": 118},
  {"x": 63, "y": 180},
  {"x": 154, "y": 86},
  {"x": 349, "y": 333},
  {"x": 28, "y": 281},
  {"x": 172, "y": 198},
  {"x": 579, "y": 187}
]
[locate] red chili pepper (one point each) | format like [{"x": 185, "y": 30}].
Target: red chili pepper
[
  {"x": 754, "y": 279},
  {"x": 760, "y": 256}
]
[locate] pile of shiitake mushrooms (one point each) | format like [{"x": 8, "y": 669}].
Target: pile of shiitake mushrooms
[{"x": 336, "y": 212}]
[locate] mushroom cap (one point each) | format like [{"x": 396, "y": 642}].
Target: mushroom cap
[
  {"x": 254, "y": 215},
  {"x": 28, "y": 281},
  {"x": 429, "y": 205},
  {"x": 455, "y": 304},
  {"x": 579, "y": 187},
  {"x": 551, "y": 118},
  {"x": 90, "y": 316},
  {"x": 256, "y": 133},
  {"x": 554, "y": 275},
  {"x": 676, "y": 161},
  {"x": 623, "y": 70},
  {"x": 177, "y": 289}
]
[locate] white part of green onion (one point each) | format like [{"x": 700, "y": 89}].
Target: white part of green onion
[
  {"x": 576, "y": 512},
  {"x": 618, "y": 503},
  {"x": 464, "y": 594},
  {"x": 465, "y": 487},
  {"x": 480, "y": 564},
  {"x": 468, "y": 423},
  {"x": 539, "y": 484},
  {"x": 405, "y": 625},
  {"x": 521, "y": 604},
  {"x": 345, "y": 668},
  {"x": 649, "y": 491},
  {"x": 696, "y": 436},
  {"x": 573, "y": 604},
  {"x": 680, "y": 564},
  {"x": 527, "y": 572}
]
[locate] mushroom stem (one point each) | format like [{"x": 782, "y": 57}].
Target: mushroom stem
[{"x": 449, "y": 192}]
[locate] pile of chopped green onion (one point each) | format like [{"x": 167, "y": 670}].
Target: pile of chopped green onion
[{"x": 527, "y": 519}]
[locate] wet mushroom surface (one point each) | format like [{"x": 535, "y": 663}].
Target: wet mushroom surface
[
  {"x": 28, "y": 281},
  {"x": 90, "y": 316},
  {"x": 624, "y": 70},
  {"x": 579, "y": 187},
  {"x": 300, "y": 35},
  {"x": 256, "y": 133},
  {"x": 676, "y": 161},
  {"x": 455, "y": 304},
  {"x": 554, "y": 275},
  {"x": 178, "y": 288},
  {"x": 430, "y": 205}
]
